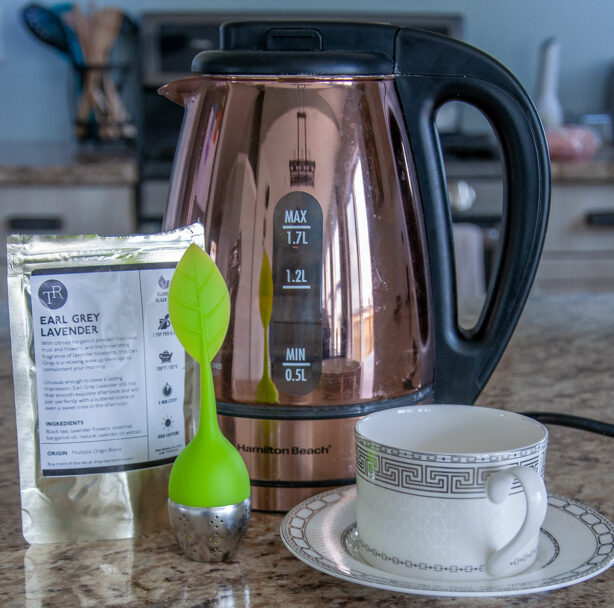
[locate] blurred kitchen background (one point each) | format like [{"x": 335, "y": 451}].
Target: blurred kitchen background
[{"x": 63, "y": 173}]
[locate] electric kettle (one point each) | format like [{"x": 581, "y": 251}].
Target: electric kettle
[{"x": 309, "y": 151}]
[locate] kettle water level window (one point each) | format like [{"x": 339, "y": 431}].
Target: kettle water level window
[{"x": 296, "y": 322}]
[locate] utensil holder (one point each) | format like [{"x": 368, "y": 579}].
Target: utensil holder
[{"x": 101, "y": 114}]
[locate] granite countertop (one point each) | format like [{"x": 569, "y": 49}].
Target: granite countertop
[
  {"x": 597, "y": 170},
  {"x": 45, "y": 163},
  {"x": 559, "y": 359}
]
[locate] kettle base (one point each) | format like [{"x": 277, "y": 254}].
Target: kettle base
[
  {"x": 293, "y": 453},
  {"x": 281, "y": 500}
]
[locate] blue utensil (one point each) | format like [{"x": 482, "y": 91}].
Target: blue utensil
[{"x": 47, "y": 27}]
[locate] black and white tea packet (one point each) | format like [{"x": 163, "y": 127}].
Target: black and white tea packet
[{"x": 99, "y": 381}]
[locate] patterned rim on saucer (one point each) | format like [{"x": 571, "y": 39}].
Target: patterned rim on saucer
[{"x": 321, "y": 532}]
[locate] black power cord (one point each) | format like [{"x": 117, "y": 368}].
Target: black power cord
[{"x": 576, "y": 422}]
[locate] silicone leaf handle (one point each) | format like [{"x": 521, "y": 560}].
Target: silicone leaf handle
[
  {"x": 209, "y": 471},
  {"x": 431, "y": 70},
  {"x": 199, "y": 305},
  {"x": 497, "y": 488}
]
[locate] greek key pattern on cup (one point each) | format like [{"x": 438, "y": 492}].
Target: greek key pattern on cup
[{"x": 448, "y": 476}]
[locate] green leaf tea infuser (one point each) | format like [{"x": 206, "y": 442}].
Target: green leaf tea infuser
[{"x": 209, "y": 490}]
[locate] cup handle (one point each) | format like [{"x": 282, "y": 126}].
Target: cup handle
[{"x": 497, "y": 488}]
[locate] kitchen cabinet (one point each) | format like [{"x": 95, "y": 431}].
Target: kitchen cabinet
[
  {"x": 579, "y": 249},
  {"x": 66, "y": 189},
  {"x": 578, "y": 254},
  {"x": 67, "y": 209},
  {"x": 49, "y": 188}
]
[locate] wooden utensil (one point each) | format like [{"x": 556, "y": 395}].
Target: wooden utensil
[{"x": 97, "y": 33}]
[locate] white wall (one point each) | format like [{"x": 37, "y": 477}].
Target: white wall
[{"x": 36, "y": 82}]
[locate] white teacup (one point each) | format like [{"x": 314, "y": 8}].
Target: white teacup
[{"x": 450, "y": 492}]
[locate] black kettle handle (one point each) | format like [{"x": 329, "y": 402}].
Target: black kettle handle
[{"x": 431, "y": 70}]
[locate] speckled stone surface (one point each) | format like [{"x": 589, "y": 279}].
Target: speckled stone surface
[
  {"x": 560, "y": 359},
  {"x": 47, "y": 163},
  {"x": 599, "y": 169},
  {"x": 590, "y": 171}
]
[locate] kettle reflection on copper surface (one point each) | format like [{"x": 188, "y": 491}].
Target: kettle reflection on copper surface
[{"x": 310, "y": 154}]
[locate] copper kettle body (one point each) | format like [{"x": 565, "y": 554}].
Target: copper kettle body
[{"x": 323, "y": 210}]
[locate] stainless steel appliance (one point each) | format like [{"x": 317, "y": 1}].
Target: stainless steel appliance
[{"x": 310, "y": 153}]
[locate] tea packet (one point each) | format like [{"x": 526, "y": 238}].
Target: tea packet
[{"x": 99, "y": 381}]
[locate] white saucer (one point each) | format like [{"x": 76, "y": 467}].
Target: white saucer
[{"x": 576, "y": 543}]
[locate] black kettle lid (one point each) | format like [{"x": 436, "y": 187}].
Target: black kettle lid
[{"x": 301, "y": 48}]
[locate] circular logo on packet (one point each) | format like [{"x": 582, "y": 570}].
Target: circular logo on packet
[{"x": 52, "y": 294}]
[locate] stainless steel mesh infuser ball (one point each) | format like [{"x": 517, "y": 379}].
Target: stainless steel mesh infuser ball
[{"x": 209, "y": 534}]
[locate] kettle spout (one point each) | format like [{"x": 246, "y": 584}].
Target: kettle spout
[
  {"x": 180, "y": 90},
  {"x": 170, "y": 91}
]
